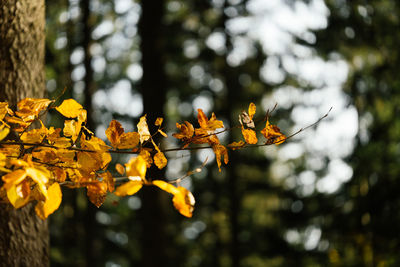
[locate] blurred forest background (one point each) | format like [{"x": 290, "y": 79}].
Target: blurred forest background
[{"x": 329, "y": 197}]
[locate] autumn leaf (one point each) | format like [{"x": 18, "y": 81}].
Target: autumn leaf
[
  {"x": 237, "y": 145},
  {"x": 4, "y": 131},
  {"x": 4, "y": 110},
  {"x": 136, "y": 167},
  {"x": 19, "y": 194},
  {"x": 186, "y": 132},
  {"x": 145, "y": 154},
  {"x": 29, "y": 108},
  {"x": 97, "y": 192},
  {"x": 114, "y": 132},
  {"x": 69, "y": 108},
  {"x": 72, "y": 129},
  {"x": 54, "y": 138},
  {"x": 220, "y": 151},
  {"x": 273, "y": 134},
  {"x": 120, "y": 169},
  {"x": 35, "y": 135},
  {"x": 143, "y": 130},
  {"x": 183, "y": 199},
  {"x": 160, "y": 160},
  {"x": 45, "y": 208},
  {"x": 158, "y": 121},
  {"x": 205, "y": 134},
  {"x": 249, "y": 136},
  {"x": 129, "y": 188},
  {"x": 119, "y": 139}
]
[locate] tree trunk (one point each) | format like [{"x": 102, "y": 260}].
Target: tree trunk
[
  {"x": 153, "y": 87},
  {"x": 23, "y": 236}
]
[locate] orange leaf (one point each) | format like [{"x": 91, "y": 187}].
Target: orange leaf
[
  {"x": 114, "y": 132},
  {"x": 158, "y": 121},
  {"x": 70, "y": 108},
  {"x": 120, "y": 169},
  {"x": 252, "y": 110},
  {"x": 220, "y": 151},
  {"x": 249, "y": 136},
  {"x": 273, "y": 134},
  {"x": 205, "y": 134},
  {"x": 97, "y": 192},
  {"x": 186, "y": 131},
  {"x": 160, "y": 160},
  {"x": 45, "y": 208},
  {"x": 4, "y": 110},
  {"x": 128, "y": 140},
  {"x": 183, "y": 199},
  {"x": 35, "y": 135},
  {"x": 236, "y": 145},
  {"x": 128, "y": 188}
]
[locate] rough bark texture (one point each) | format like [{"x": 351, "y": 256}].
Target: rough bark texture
[
  {"x": 21, "y": 49},
  {"x": 23, "y": 236}
]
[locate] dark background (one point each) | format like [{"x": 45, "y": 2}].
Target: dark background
[{"x": 328, "y": 197}]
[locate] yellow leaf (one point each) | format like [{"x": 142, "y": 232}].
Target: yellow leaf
[
  {"x": 167, "y": 187},
  {"x": 143, "y": 130},
  {"x": 236, "y": 145},
  {"x": 4, "y": 110},
  {"x": 128, "y": 188},
  {"x": 249, "y": 136},
  {"x": 55, "y": 139},
  {"x": 220, "y": 151},
  {"x": 145, "y": 154},
  {"x": 29, "y": 108},
  {"x": 273, "y": 134},
  {"x": 128, "y": 140},
  {"x": 34, "y": 135},
  {"x": 13, "y": 178},
  {"x": 162, "y": 133},
  {"x": 70, "y": 108},
  {"x": 160, "y": 160},
  {"x": 72, "y": 129},
  {"x": 184, "y": 202},
  {"x": 45, "y": 208},
  {"x": 19, "y": 194},
  {"x": 4, "y": 131},
  {"x": 136, "y": 167},
  {"x": 252, "y": 110},
  {"x": 158, "y": 121}
]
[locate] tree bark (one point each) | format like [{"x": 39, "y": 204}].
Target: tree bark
[{"x": 23, "y": 236}]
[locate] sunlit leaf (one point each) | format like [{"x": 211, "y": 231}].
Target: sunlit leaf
[
  {"x": 236, "y": 145},
  {"x": 120, "y": 169},
  {"x": 70, "y": 108},
  {"x": 273, "y": 134},
  {"x": 136, "y": 167},
  {"x": 97, "y": 192},
  {"x": 160, "y": 160},
  {"x": 186, "y": 131},
  {"x": 143, "y": 130},
  {"x": 45, "y": 208},
  {"x": 184, "y": 202},
  {"x": 29, "y": 108},
  {"x": 167, "y": 187},
  {"x": 19, "y": 194},
  {"x": 34, "y": 135},
  {"x": 128, "y": 188},
  {"x": 72, "y": 129},
  {"x": 220, "y": 151},
  {"x": 114, "y": 132},
  {"x": 158, "y": 122},
  {"x": 249, "y": 136},
  {"x": 4, "y": 131}
]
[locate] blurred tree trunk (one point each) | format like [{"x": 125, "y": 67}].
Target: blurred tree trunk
[
  {"x": 153, "y": 88},
  {"x": 90, "y": 226},
  {"x": 23, "y": 236}
]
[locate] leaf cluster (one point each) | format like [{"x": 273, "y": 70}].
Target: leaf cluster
[{"x": 35, "y": 162}]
